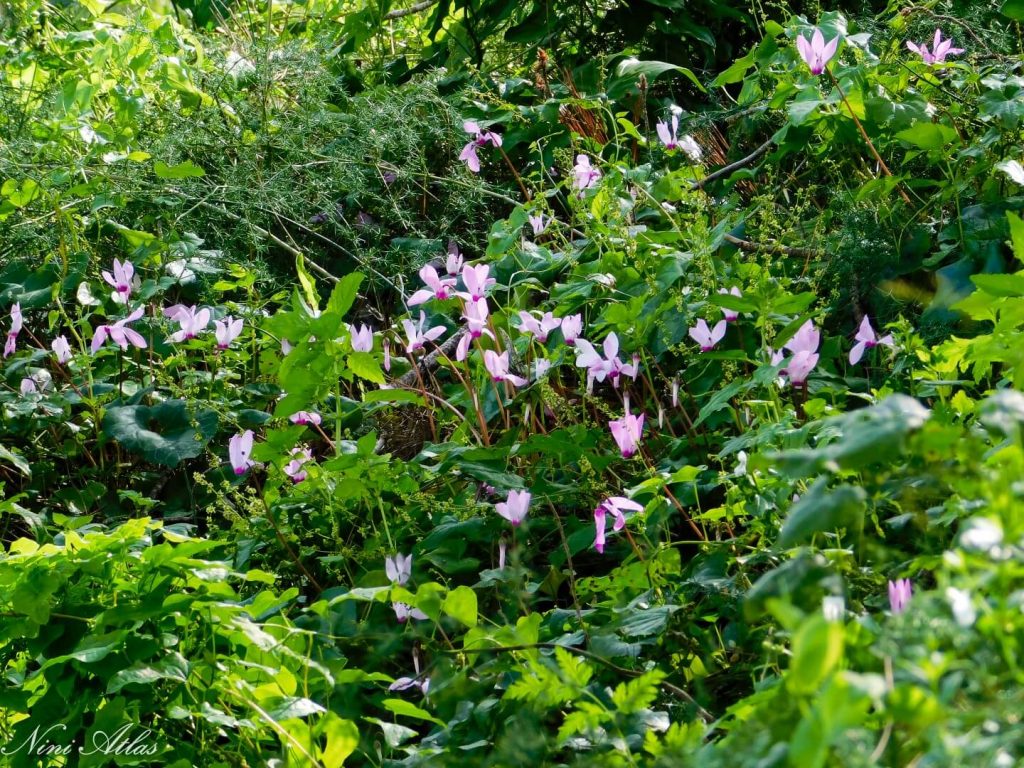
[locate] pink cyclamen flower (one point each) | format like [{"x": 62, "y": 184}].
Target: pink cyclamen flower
[
  {"x": 121, "y": 279},
  {"x": 480, "y": 138},
  {"x": 940, "y": 49},
  {"x": 515, "y": 507},
  {"x": 387, "y": 354},
  {"x": 538, "y": 223},
  {"x": 816, "y": 52},
  {"x": 305, "y": 418},
  {"x": 403, "y": 612},
  {"x": 627, "y": 432},
  {"x": 616, "y": 506},
  {"x": 362, "y": 338},
  {"x": 294, "y": 468},
  {"x": 804, "y": 346},
  {"x": 120, "y": 333},
  {"x": 609, "y": 366},
  {"x": 672, "y": 141},
  {"x": 806, "y": 339},
  {"x": 476, "y": 326},
  {"x": 404, "y": 683},
  {"x": 453, "y": 264},
  {"x": 476, "y": 280},
  {"x": 497, "y": 366},
  {"x": 418, "y": 338},
  {"x": 227, "y": 330},
  {"x": 572, "y": 327},
  {"x": 539, "y": 327},
  {"x": 437, "y": 287},
  {"x": 16, "y": 324},
  {"x": 61, "y": 349},
  {"x": 239, "y": 449},
  {"x": 192, "y": 321},
  {"x": 899, "y": 595},
  {"x": 398, "y": 568},
  {"x": 800, "y": 366},
  {"x": 585, "y": 175},
  {"x": 866, "y": 339},
  {"x": 731, "y": 314},
  {"x": 28, "y": 386},
  {"x": 707, "y": 337}
]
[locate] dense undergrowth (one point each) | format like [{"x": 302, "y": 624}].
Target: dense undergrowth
[{"x": 560, "y": 406}]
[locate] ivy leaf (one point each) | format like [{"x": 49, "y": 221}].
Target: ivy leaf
[{"x": 164, "y": 434}]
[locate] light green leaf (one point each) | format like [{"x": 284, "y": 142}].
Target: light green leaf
[
  {"x": 365, "y": 366},
  {"x": 183, "y": 170},
  {"x": 461, "y": 605}
]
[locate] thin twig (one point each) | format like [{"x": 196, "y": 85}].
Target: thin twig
[
  {"x": 776, "y": 248},
  {"x": 741, "y": 163},
  {"x": 398, "y": 13}
]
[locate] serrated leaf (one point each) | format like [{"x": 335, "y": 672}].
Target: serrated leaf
[
  {"x": 365, "y": 366},
  {"x": 344, "y": 294}
]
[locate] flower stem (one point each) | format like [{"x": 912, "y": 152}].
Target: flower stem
[{"x": 867, "y": 139}]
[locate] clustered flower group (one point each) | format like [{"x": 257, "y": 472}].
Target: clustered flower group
[{"x": 816, "y": 53}]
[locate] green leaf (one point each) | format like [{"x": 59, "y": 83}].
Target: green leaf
[
  {"x": 408, "y": 709},
  {"x": 820, "y": 510},
  {"x": 174, "y": 667},
  {"x": 1013, "y": 9},
  {"x": 18, "y": 461},
  {"x": 639, "y": 694},
  {"x": 342, "y": 740},
  {"x": 863, "y": 437},
  {"x": 307, "y": 282},
  {"x": 179, "y": 171},
  {"x": 365, "y": 366},
  {"x": 1016, "y": 234},
  {"x": 1000, "y": 285},
  {"x": 629, "y": 70},
  {"x": 461, "y": 605},
  {"x": 929, "y": 136},
  {"x": 817, "y": 649},
  {"x": 344, "y": 294},
  {"x": 165, "y": 434}
]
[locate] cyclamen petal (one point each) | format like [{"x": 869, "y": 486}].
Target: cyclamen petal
[
  {"x": 815, "y": 52},
  {"x": 239, "y": 448},
  {"x": 62, "y": 349},
  {"x": 899, "y": 595},
  {"x": 362, "y": 338},
  {"x": 627, "y": 432},
  {"x": 398, "y": 568},
  {"x": 515, "y": 506},
  {"x": 707, "y": 337}
]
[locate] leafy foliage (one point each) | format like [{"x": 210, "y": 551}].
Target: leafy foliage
[{"x": 632, "y": 473}]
